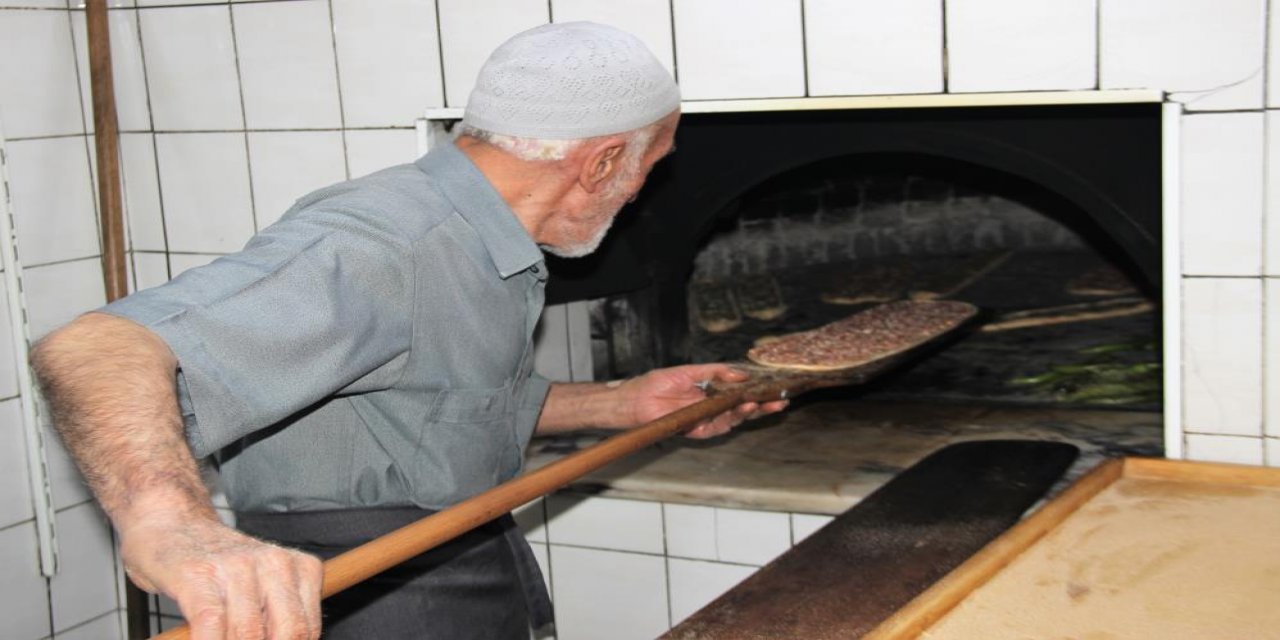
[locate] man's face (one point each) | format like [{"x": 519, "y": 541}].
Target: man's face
[{"x": 594, "y": 223}]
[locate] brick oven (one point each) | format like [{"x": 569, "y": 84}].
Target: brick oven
[{"x": 809, "y": 214}]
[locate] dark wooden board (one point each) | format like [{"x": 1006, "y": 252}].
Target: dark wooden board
[{"x": 871, "y": 560}]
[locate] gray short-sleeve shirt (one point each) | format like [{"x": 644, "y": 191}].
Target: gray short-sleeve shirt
[{"x": 372, "y": 348}]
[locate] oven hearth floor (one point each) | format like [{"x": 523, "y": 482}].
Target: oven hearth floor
[
  {"x": 1110, "y": 363},
  {"x": 825, "y": 454}
]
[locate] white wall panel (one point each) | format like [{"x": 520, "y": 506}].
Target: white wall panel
[
  {"x": 1222, "y": 199},
  {"x": 85, "y": 587},
  {"x": 1271, "y": 165},
  {"x": 1222, "y": 356},
  {"x": 141, "y": 191},
  {"x": 287, "y": 165},
  {"x": 286, "y": 64},
  {"x": 374, "y": 149},
  {"x": 694, "y": 584},
  {"x": 606, "y": 523},
  {"x": 388, "y": 59},
  {"x": 1230, "y": 449},
  {"x": 15, "y": 489},
  {"x": 191, "y": 68},
  {"x": 1271, "y": 358},
  {"x": 471, "y": 29},
  {"x": 871, "y": 48},
  {"x": 57, "y": 293},
  {"x": 38, "y": 75},
  {"x": 204, "y": 183},
  {"x": 649, "y": 20},
  {"x": 593, "y": 603},
  {"x": 1208, "y": 52},
  {"x": 52, "y": 199},
  {"x": 1021, "y": 45},
  {"x": 24, "y": 599},
  {"x": 127, "y": 75},
  {"x": 739, "y": 49}
]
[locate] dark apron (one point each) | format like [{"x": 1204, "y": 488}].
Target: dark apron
[{"x": 484, "y": 584}]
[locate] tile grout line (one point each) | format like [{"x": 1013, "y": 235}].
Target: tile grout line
[
  {"x": 155, "y": 144},
  {"x": 244, "y": 116},
  {"x": 342, "y": 106}
]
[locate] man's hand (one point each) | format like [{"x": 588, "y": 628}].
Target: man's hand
[
  {"x": 227, "y": 584},
  {"x": 625, "y": 404},
  {"x": 661, "y": 391}
]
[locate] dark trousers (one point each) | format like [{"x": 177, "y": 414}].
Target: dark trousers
[{"x": 483, "y": 584}]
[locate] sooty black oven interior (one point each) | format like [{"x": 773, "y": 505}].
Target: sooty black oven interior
[{"x": 1046, "y": 217}]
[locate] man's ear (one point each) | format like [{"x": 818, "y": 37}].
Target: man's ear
[{"x": 600, "y": 163}]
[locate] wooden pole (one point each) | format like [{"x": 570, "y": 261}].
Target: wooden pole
[
  {"x": 110, "y": 211},
  {"x": 385, "y": 552}
]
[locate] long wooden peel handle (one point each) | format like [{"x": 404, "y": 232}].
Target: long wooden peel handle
[{"x": 378, "y": 555}]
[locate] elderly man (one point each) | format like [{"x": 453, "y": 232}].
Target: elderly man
[{"x": 368, "y": 360}]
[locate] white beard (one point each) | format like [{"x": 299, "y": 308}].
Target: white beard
[
  {"x": 583, "y": 248},
  {"x": 611, "y": 202}
]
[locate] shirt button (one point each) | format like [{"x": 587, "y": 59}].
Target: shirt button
[{"x": 534, "y": 269}]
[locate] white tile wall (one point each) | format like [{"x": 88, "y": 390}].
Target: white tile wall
[
  {"x": 191, "y": 68},
  {"x": 532, "y": 520},
  {"x": 52, "y": 198},
  {"x": 287, "y": 165},
  {"x": 8, "y": 361},
  {"x": 1021, "y": 45},
  {"x": 762, "y": 56},
  {"x": 66, "y": 483},
  {"x": 1271, "y": 221},
  {"x": 691, "y": 531},
  {"x": 751, "y": 537},
  {"x": 1222, "y": 194},
  {"x": 24, "y": 596},
  {"x": 1272, "y": 446},
  {"x": 141, "y": 191},
  {"x": 375, "y": 149},
  {"x": 471, "y": 29},
  {"x": 608, "y": 523},
  {"x": 1233, "y": 449},
  {"x": 694, "y": 584},
  {"x": 106, "y": 627},
  {"x": 57, "y": 293},
  {"x": 85, "y": 586},
  {"x": 204, "y": 182},
  {"x": 287, "y": 68},
  {"x": 592, "y": 603},
  {"x": 388, "y": 60},
  {"x": 860, "y": 48},
  {"x": 15, "y": 490},
  {"x": 150, "y": 269},
  {"x": 179, "y": 262},
  {"x": 804, "y": 525},
  {"x": 40, "y": 97},
  {"x": 127, "y": 75},
  {"x": 1222, "y": 356},
  {"x": 1209, "y": 52},
  {"x": 649, "y": 20},
  {"x": 1273, "y": 54},
  {"x": 1271, "y": 358}
]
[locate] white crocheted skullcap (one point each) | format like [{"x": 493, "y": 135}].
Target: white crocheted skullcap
[{"x": 568, "y": 81}]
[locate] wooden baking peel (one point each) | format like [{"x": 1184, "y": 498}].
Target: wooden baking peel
[{"x": 766, "y": 385}]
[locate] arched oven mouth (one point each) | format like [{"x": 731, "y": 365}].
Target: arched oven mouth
[{"x": 1047, "y": 217}]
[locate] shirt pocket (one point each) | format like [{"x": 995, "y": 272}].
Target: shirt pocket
[{"x": 466, "y": 441}]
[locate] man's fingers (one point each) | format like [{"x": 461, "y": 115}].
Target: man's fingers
[
  {"x": 202, "y": 605},
  {"x": 280, "y": 575},
  {"x": 311, "y": 577},
  {"x": 244, "y": 600}
]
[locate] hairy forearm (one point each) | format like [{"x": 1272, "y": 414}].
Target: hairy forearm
[
  {"x": 572, "y": 406},
  {"x": 110, "y": 384}
]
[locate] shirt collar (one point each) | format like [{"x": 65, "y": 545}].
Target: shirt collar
[{"x": 508, "y": 243}]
